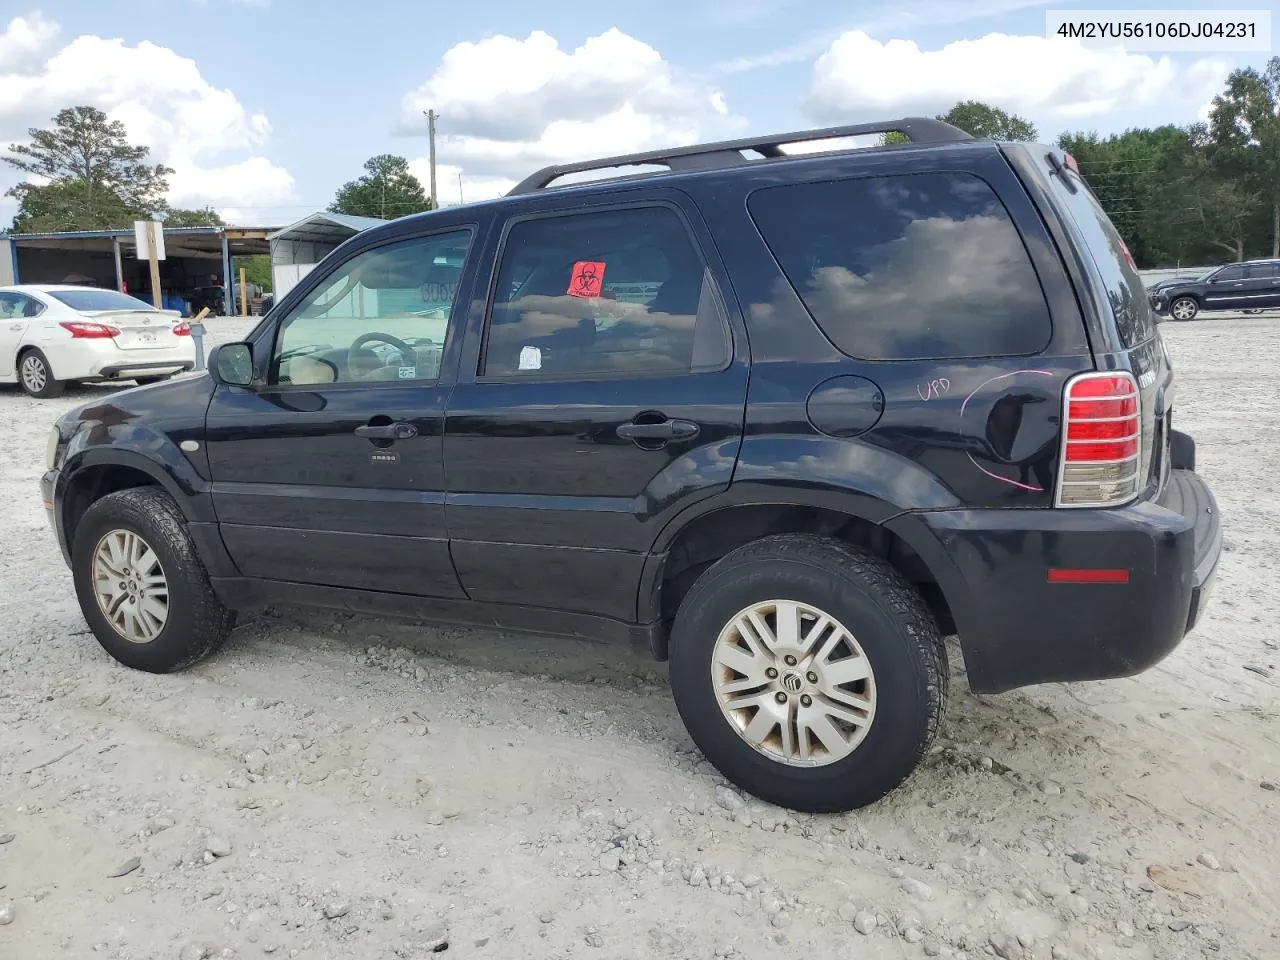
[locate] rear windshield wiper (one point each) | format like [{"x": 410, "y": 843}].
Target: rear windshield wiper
[{"x": 1061, "y": 172}]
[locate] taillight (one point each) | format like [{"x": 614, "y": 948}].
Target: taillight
[
  {"x": 87, "y": 330},
  {"x": 1102, "y": 443},
  {"x": 182, "y": 329}
]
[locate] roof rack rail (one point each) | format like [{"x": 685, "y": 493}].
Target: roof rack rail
[{"x": 726, "y": 153}]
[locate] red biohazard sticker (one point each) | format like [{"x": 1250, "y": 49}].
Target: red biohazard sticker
[{"x": 587, "y": 279}]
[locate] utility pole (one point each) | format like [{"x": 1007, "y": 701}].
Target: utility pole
[{"x": 431, "y": 138}]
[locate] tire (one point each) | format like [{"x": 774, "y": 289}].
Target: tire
[
  {"x": 890, "y": 627},
  {"x": 36, "y": 376},
  {"x": 1188, "y": 306},
  {"x": 147, "y": 381},
  {"x": 195, "y": 622}
]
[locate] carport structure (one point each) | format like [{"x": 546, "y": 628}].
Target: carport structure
[
  {"x": 297, "y": 248},
  {"x": 194, "y": 257}
]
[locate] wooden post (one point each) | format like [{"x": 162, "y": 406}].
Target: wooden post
[
  {"x": 156, "y": 297},
  {"x": 244, "y": 296}
]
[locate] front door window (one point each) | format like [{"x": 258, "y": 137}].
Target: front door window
[{"x": 381, "y": 316}]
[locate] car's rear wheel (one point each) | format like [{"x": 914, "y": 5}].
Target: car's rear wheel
[
  {"x": 808, "y": 672},
  {"x": 141, "y": 585},
  {"x": 1184, "y": 308},
  {"x": 36, "y": 376}
]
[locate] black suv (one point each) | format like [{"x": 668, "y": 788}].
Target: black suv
[
  {"x": 1251, "y": 285},
  {"x": 786, "y": 420}
]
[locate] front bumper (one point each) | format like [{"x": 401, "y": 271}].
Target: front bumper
[
  {"x": 50, "y": 496},
  {"x": 1016, "y": 628}
]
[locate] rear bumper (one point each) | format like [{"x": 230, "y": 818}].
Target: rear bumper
[
  {"x": 127, "y": 371},
  {"x": 1017, "y": 628}
]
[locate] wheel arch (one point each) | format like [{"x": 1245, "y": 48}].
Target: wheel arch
[
  {"x": 97, "y": 474},
  {"x": 696, "y": 539},
  {"x": 20, "y": 355}
]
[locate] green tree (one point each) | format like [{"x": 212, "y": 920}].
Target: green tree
[
  {"x": 182, "y": 217},
  {"x": 1245, "y": 126},
  {"x": 989, "y": 123},
  {"x": 387, "y": 190},
  {"x": 1168, "y": 194},
  {"x": 257, "y": 270},
  {"x": 92, "y": 176},
  {"x": 60, "y": 205}
]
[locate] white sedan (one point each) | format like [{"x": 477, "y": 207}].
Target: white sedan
[{"x": 50, "y": 335}]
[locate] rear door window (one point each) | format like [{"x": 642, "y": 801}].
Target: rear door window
[
  {"x": 609, "y": 293},
  {"x": 925, "y": 266}
]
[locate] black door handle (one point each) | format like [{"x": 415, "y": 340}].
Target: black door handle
[
  {"x": 387, "y": 431},
  {"x": 665, "y": 430}
]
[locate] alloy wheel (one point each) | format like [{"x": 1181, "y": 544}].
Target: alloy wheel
[
  {"x": 794, "y": 683},
  {"x": 130, "y": 586},
  {"x": 34, "y": 374}
]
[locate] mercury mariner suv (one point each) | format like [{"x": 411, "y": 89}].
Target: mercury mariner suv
[{"x": 783, "y": 418}]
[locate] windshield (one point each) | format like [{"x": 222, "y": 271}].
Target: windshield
[{"x": 90, "y": 299}]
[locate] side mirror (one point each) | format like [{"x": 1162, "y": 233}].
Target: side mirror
[{"x": 232, "y": 364}]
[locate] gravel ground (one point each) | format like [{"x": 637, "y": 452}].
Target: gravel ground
[{"x": 347, "y": 787}]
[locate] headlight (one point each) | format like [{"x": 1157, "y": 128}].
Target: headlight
[{"x": 51, "y": 449}]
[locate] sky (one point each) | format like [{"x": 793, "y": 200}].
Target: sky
[{"x": 263, "y": 108}]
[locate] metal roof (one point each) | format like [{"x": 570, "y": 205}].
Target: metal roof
[
  {"x": 326, "y": 227},
  {"x": 124, "y": 232}
]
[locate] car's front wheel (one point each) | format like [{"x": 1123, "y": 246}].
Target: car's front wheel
[
  {"x": 36, "y": 376},
  {"x": 808, "y": 672},
  {"x": 1184, "y": 308},
  {"x": 141, "y": 585}
]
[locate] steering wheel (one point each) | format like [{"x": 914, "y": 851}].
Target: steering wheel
[
  {"x": 407, "y": 355},
  {"x": 304, "y": 351}
]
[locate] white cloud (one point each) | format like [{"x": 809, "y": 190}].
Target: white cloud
[
  {"x": 25, "y": 41},
  {"x": 224, "y": 187},
  {"x": 474, "y": 186},
  {"x": 508, "y": 106},
  {"x": 859, "y": 78},
  {"x": 889, "y": 18},
  {"x": 205, "y": 133}
]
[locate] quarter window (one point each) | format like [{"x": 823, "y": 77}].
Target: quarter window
[
  {"x": 610, "y": 293},
  {"x": 927, "y": 266},
  {"x": 383, "y": 315}
]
